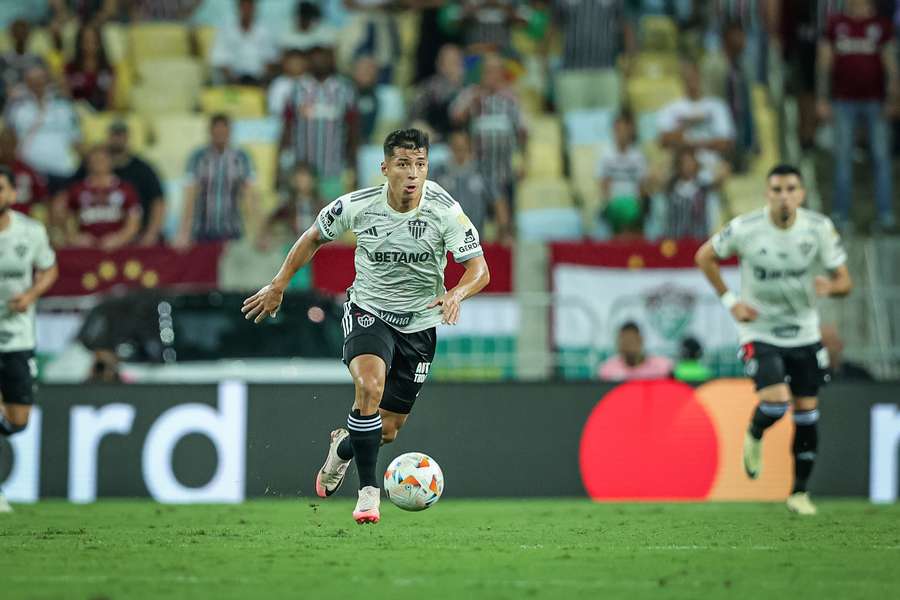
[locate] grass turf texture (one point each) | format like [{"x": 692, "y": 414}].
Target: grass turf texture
[{"x": 458, "y": 549}]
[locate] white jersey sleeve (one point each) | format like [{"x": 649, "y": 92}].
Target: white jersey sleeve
[
  {"x": 725, "y": 243},
  {"x": 460, "y": 235},
  {"x": 831, "y": 249},
  {"x": 44, "y": 256},
  {"x": 334, "y": 220}
]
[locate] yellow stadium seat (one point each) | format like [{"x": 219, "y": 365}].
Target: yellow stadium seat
[
  {"x": 171, "y": 72},
  {"x": 158, "y": 40},
  {"x": 658, "y": 33},
  {"x": 115, "y": 40},
  {"x": 546, "y": 129},
  {"x": 655, "y": 65},
  {"x": 744, "y": 193},
  {"x": 544, "y": 193},
  {"x": 543, "y": 159},
  {"x": 583, "y": 161},
  {"x": 153, "y": 99},
  {"x": 191, "y": 127},
  {"x": 204, "y": 37},
  {"x": 95, "y": 128},
  {"x": 123, "y": 84},
  {"x": 650, "y": 95},
  {"x": 236, "y": 101},
  {"x": 265, "y": 164}
]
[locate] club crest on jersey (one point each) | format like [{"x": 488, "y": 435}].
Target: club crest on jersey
[
  {"x": 417, "y": 228},
  {"x": 365, "y": 320},
  {"x": 806, "y": 247},
  {"x": 21, "y": 249}
]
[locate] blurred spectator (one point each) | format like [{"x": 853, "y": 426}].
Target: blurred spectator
[
  {"x": 691, "y": 201},
  {"x": 365, "y": 78},
  {"x": 736, "y": 90},
  {"x": 106, "y": 210},
  {"x": 486, "y": 24},
  {"x": 492, "y": 112},
  {"x": 283, "y": 87},
  {"x": 461, "y": 177},
  {"x": 47, "y": 127},
  {"x": 631, "y": 362},
  {"x": 162, "y": 10},
  {"x": 322, "y": 124},
  {"x": 89, "y": 76},
  {"x": 31, "y": 188},
  {"x": 243, "y": 50},
  {"x": 380, "y": 37},
  {"x": 15, "y": 62},
  {"x": 840, "y": 368},
  {"x": 857, "y": 70},
  {"x": 87, "y": 12},
  {"x": 143, "y": 178},
  {"x": 220, "y": 180},
  {"x": 104, "y": 368},
  {"x": 623, "y": 179},
  {"x": 689, "y": 368},
  {"x": 299, "y": 207},
  {"x": 431, "y": 106},
  {"x": 308, "y": 28},
  {"x": 594, "y": 33},
  {"x": 697, "y": 122},
  {"x": 432, "y": 37}
]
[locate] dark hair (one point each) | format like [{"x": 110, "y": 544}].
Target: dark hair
[
  {"x": 630, "y": 326},
  {"x": 7, "y": 172},
  {"x": 691, "y": 349},
  {"x": 219, "y": 118},
  {"x": 733, "y": 25},
  {"x": 308, "y": 10},
  {"x": 102, "y": 60},
  {"x": 411, "y": 139},
  {"x": 784, "y": 169}
]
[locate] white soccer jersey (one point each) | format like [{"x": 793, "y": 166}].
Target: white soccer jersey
[
  {"x": 778, "y": 269},
  {"x": 400, "y": 257},
  {"x": 23, "y": 247}
]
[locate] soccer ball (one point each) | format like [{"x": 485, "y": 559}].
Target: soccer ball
[{"x": 413, "y": 481}]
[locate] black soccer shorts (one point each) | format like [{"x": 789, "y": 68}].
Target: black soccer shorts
[
  {"x": 408, "y": 356},
  {"x": 803, "y": 368},
  {"x": 17, "y": 373}
]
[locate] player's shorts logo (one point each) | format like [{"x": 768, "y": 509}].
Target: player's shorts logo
[
  {"x": 417, "y": 228},
  {"x": 421, "y": 372},
  {"x": 365, "y": 320}
]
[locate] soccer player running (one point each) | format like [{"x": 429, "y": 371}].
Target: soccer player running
[
  {"x": 27, "y": 271},
  {"x": 781, "y": 247},
  {"x": 403, "y": 229}
]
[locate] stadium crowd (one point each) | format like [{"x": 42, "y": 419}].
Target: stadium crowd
[{"x": 634, "y": 114}]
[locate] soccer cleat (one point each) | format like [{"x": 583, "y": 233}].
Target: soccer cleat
[
  {"x": 799, "y": 503},
  {"x": 366, "y": 510},
  {"x": 752, "y": 456},
  {"x": 331, "y": 475},
  {"x": 4, "y": 505}
]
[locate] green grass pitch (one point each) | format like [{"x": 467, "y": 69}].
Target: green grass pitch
[{"x": 459, "y": 549}]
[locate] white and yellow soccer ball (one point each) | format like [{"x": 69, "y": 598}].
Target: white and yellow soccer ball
[{"x": 414, "y": 481}]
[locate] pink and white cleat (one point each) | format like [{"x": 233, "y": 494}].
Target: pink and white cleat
[
  {"x": 331, "y": 475},
  {"x": 366, "y": 510}
]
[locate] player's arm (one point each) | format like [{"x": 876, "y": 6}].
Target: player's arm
[
  {"x": 824, "y": 64},
  {"x": 708, "y": 261},
  {"x": 475, "y": 278},
  {"x": 837, "y": 284},
  {"x": 43, "y": 281}
]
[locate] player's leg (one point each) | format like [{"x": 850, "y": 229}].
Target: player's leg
[
  {"x": 412, "y": 363},
  {"x": 807, "y": 368},
  {"x": 391, "y": 422},
  {"x": 17, "y": 371},
  {"x": 364, "y": 422},
  {"x": 765, "y": 365}
]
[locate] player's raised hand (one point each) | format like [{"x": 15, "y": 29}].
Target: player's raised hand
[
  {"x": 449, "y": 304},
  {"x": 262, "y": 304},
  {"x": 743, "y": 312}
]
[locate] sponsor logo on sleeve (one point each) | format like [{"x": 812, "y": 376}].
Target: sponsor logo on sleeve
[{"x": 470, "y": 236}]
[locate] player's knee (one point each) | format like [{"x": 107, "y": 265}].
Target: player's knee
[
  {"x": 388, "y": 435},
  {"x": 369, "y": 389}
]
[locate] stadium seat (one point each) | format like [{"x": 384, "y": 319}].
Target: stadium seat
[
  {"x": 543, "y": 159},
  {"x": 658, "y": 33},
  {"x": 646, "y": 95},
  {"x": 583, "y": 161},
  {"x": 95, "y": 128},
  {"x": 547, "y": 224},
  {"x": 589, "y": 127},
  {"x": 115, "y": 40},
  {"x": 183, "y": 73},
  {"x": 576, "y": 91},
  {"x": 205, "y": 36},
  {"x": 545, "y": 128},
  {"x": 176, "y": 136},
  {"x": 265, "y": 163},
  {"x": 543, "y": 193},
  {"x": 158, "y": 40},
  {"x": 655, "y": 65},
  {"x": 123, "y": 84},
  {"x": 152, "y": 99},
  {"x": 235, "y": 101},
  {"x": 744, "y": 193}
]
